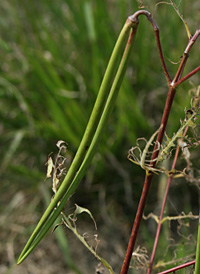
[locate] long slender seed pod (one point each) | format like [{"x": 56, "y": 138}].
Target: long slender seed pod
[
  {"x": 93, "y": 132},
  {"x": 94, "y": 129}
]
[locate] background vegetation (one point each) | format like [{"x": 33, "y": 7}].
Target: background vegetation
[{"x": 53, "y": 57}]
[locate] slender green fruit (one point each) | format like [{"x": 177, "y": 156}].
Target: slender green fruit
[{"x": 104, "y": 104}]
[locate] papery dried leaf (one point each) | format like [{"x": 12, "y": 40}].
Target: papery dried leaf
[
  {"x": 186, "y": 152},
  {"x": 143, "y": 157},
  {"x": 140, "y": 257},
  {"x": 55, "y": 184},
  {"x": 50, "y": 167},
  {"x": 100, "y": 269},
  {"x": 80, "y": 210},
  {"x": 61, "y": 143},
  {"x": 56, "y": 226}
]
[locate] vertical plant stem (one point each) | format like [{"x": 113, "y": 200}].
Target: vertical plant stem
[
  {"x": 197, "y": 263},
  {"x": 147, "y": 183},
  {"x": 149, "y": 176},
  {"x": 162, "y": 209}
]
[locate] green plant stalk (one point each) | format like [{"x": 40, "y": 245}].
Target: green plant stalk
[
  {"x": 84, "y": 242},
  {"x": 197, "y": 261},
  {"x": 78, "y": 168}
]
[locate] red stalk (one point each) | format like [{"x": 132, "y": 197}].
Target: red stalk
[
  {"x": 168, "y": 105},
  {"x": 176, "y": 268},
  {"x": 162, "y": 209}
]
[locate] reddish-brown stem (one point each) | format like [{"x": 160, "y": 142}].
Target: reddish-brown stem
[
  {"x": 191, "y": 42},
  {"x": 187, "y": 76},
  {"x": 134, "y": 18},
  {"x": 146, "y": 186},
  {"x": 162, "y": 208},
  {"x": 149, "y": 176},
  {"x": 176, "y": 268},
  {"x": 157, "y": 34}
]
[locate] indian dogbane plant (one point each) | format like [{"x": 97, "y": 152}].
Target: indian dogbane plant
[{"x": 102, "y": 109}]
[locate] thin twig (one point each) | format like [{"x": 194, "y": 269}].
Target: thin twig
[
  {"x": 187, "y": 76},
  {"x": 176, "y": 268},
  {"x": 181, "y": 17},
  {"x": 162, "y": 208},
  {"x": 135, "y": 19}
]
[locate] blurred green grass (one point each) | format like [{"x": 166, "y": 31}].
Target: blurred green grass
[{"x": 53, "y": 57}]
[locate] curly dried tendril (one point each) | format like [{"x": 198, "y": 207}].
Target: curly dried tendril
[
  {"x": 139, "y": 157},
  {"x": 142, "y": 157}
]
